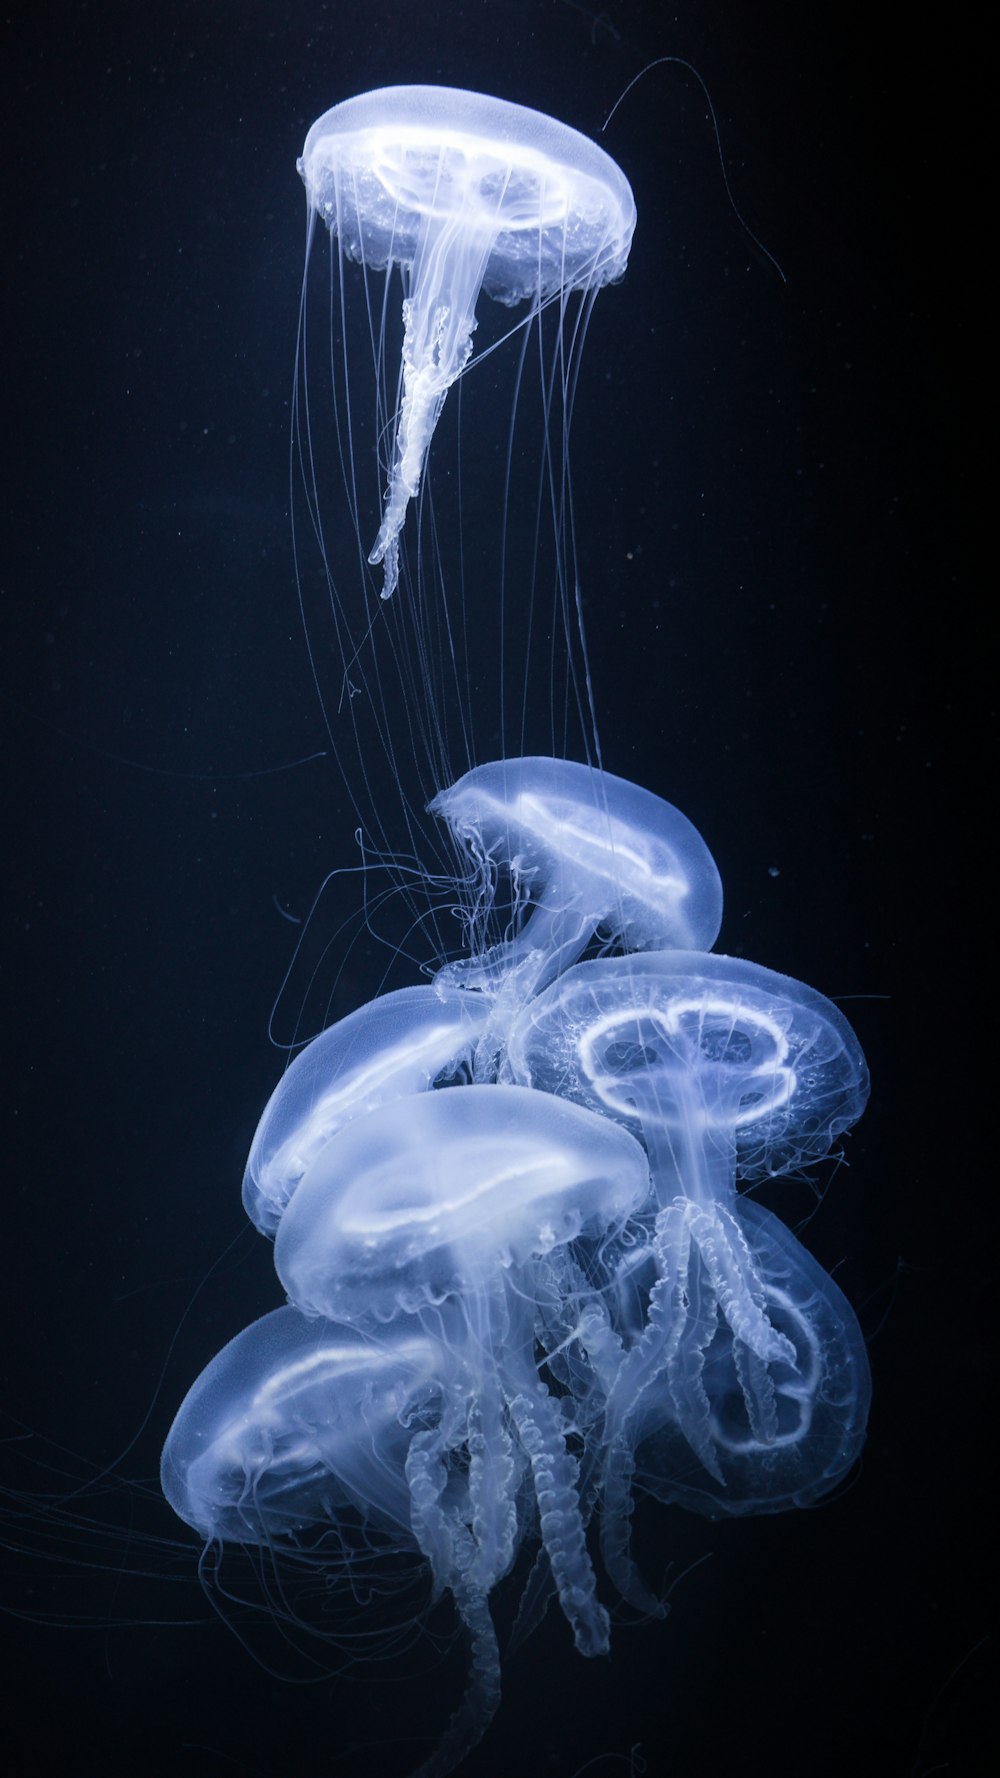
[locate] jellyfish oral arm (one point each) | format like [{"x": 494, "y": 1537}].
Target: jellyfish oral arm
[
  {"x": 708, "y": 1279},
  {"x": 493, "y": 1482},
  {"x": 736, "y": 1288},
  {"x": 555, "y": 1475},
  {"x": 439, "y": 318},
  {"x": 426, "y": 382},
  {"x": 450, "y": 1549}
]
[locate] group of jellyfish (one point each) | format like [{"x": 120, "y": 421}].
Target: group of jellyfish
[{"x": 509, "y": 1204}]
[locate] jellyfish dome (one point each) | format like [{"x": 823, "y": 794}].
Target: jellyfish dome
[
  {"x": 724, "y": 1067},
  {"x": 398, "y": 1044},
  {"x": 292, "y": 1423},
  {"x": 440, "y": 1195},
  {"x": 588, "y": 852},
  {"x": 465, "y": 193}
]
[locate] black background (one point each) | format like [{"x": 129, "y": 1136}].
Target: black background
[{"x": 779, "y": 617}]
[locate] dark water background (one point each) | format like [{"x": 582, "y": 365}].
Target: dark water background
[{"x": 779, "y": 618}]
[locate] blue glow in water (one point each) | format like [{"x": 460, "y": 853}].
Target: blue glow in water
[{"x": 509, "y": 1204}]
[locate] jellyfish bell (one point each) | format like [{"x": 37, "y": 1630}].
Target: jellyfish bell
[
  {"x": 391, "y": 1047},
  {"x": 727, "y": 1069},
  {"x": 441, "y": 1195},
  {"x": 293, "y": 1422},
  {"x": 464, "y": 193},
  {"x": 587, "y": 852}
]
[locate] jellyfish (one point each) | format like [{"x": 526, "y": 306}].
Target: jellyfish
[
  {"x": 586, "y": 850},
  {"x": 439, "y": 1216},
  {"x": 301, "y": 1431},
  {"x": 451, "y": 216},
  {"x": 440, "y": 1208},
  {"x": 740, "y": 1343},
  {"x": 464, "y": 193}
]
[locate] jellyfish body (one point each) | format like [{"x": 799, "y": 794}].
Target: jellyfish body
[
  {"x": 299, "y": 1423},
  {"x": 741, "y": 1345},
  {"x": 724, "y": 1068},
  {"x": 442, "y": 1208},
  {"x": 400, "y": 1043},
  {"x": 294, "y": 1422},
  {"x": 465, "y": 193},
  {"x": 587, "y": 852}
]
